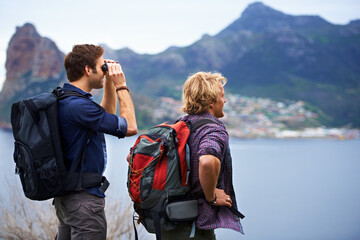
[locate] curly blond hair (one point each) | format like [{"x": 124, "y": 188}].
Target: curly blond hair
[{"x": 200, "y": 90}]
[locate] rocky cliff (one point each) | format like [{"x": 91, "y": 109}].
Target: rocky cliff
[{"x": 34, "y": 64}]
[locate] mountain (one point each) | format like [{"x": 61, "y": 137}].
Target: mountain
[
  {"x": 34, "y": 65},
  {"x": 264, "y": 53},
  {"x": 297, "y": 57}
]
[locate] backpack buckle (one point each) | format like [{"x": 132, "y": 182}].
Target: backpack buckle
[{"x": 58, "y": 91}]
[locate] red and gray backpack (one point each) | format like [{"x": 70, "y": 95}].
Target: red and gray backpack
[{"x": 158, "y": 176}]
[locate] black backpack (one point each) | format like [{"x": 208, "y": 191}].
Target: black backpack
[{"x": 38, "y": 152}]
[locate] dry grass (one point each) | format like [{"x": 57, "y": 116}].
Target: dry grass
[
  {"x": 21, "y": 218},
  {"x": 120, "y": 221}
]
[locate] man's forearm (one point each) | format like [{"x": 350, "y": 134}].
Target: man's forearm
[
  {"x": 127, "y": 111},
  {"x": 109, "y": 99},
  {"x": 209, "y": 169}
]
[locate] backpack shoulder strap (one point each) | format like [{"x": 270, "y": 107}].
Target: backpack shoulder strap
[
  {"x": 201, "y": 122},
  {"x": 61, "y": 94}
]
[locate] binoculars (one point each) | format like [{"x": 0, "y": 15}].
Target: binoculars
[{"x": 105, "y": 68}]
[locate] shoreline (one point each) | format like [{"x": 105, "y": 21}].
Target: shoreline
[{"x": 321, "y": 134}]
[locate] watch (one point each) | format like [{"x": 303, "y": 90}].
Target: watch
[
  {"x": 122, "y": 88},
  {"x": 211, "y": 202}
]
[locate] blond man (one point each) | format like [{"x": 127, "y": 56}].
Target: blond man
[{"x": 211, "y": 164}]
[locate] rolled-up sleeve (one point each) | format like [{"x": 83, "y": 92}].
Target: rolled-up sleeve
[
  {"x": 212, "y": 144},
  {"x": 113, "y": 125},
  {"x": 122, "y": 125},
  {"x": 87, "y": 114}
]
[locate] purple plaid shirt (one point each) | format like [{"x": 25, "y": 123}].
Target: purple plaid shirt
[{"x": 212, "y": 139}]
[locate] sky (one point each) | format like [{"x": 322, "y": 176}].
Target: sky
[{"x": 142, "y": 25}]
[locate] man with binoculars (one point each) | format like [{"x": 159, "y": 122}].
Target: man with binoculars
[{"x": 83, "y": 123}]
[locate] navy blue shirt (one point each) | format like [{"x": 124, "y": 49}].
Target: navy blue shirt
[{"x": 78, "y": 116}]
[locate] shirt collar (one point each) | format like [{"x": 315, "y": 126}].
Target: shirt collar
[
  {"x": 68, "y": 86},
  {"x": 211, "y": 116}
]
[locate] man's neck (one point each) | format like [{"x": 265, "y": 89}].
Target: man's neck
[{"x": 82, "y": 83}]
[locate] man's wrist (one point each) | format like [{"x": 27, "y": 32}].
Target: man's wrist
[
  {"x": 122, "y": 88},
  {"x": 211, "y": 202},
  {"x": 120, "y": 84}
]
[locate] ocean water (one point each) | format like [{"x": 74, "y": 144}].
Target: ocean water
[{"x": 287, "y": 189}]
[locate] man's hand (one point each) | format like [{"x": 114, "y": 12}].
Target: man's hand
[
  {"x": 222, "y": 199},
  {"x": 115, "y": 73}
]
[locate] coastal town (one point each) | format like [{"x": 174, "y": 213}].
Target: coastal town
[{"x": 250, "y": 117}]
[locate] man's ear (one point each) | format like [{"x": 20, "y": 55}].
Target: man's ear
[
  {"x": 88, "y": 70},
  {"x": 211, "y": 106}
]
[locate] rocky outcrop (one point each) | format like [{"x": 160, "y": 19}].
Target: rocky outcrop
[{"x": 33, "y": 65}]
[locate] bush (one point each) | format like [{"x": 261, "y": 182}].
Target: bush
[{"x": 21, "y": 218}]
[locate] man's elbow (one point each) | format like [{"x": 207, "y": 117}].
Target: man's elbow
[
  {"x": 131, "y": 131},
  {"x": 209, "y": 164}
]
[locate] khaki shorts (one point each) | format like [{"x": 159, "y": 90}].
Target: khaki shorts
[{"x": 81, "y": 216}]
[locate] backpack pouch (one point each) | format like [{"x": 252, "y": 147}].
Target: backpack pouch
[
  {"x": 26, "y": 170},
  {"x": 182, "y": 211}
]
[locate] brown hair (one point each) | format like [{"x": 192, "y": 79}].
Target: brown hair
[
  {"x": 200, "y": 90},
  {"x": 80, "y": 56}
]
